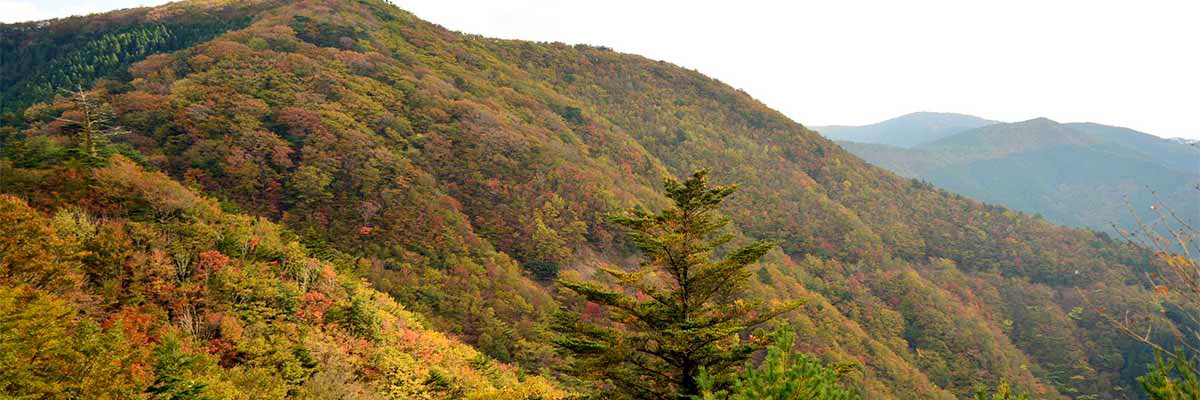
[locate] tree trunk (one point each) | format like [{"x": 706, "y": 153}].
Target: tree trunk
[{"x": 688, "y": 386}]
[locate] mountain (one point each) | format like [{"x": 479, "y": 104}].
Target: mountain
[
  {"x": 1186, "y": 141},
  {"x": 1177, "y": 154},
  {"x": 907, "y": 130},
  {"x": 45, "y": 57},
  {"x": 137, "y": 283},
  {"x": 1080, "y": 174},
  {"x": 460, "y": 175},
  {"x": 998, "y": 140}
]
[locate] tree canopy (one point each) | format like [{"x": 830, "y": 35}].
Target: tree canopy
[{"x": 682, "y": 312}]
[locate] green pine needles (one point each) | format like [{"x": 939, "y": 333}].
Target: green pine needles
[
  {"x": 784, "y": 375},
  {"x": 1172, "y": 378},
  {"x": 681, "y": 312}
]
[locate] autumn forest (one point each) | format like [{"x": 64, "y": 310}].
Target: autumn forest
[{"x": 334, "y": 199}]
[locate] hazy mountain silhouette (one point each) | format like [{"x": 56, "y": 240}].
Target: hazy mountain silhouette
[
  {"x": 907, "y": 130},
  {"x": 1081, "y": 174}
]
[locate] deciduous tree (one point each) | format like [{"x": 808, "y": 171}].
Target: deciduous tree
[{"x": 94, "y": 122}]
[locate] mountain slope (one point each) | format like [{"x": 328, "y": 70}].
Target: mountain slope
[
  {"x": 138, "y": 285},
  {"x": 999, "y": 140},
  {"x": 908, "y": 130},
  {"x": 463, "y": 173},
  {"x": 1179, "y": 156},
  {"x": 47, "y": 56},
  {"x": 1086, "y": 177}
]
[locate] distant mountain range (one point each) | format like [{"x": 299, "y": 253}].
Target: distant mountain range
[
  {"x": 907, "y": 130},
  {"x": 1081, "y": 174}
]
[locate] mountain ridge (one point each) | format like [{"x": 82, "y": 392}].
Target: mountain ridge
[
  {"x": 907, "y": 130},
  {"x": 1180, "y": 158},
  {"x": 1126, "y": 168},
  {"x": 998, "y": 140},
  {"x": 464, "y": 173}
]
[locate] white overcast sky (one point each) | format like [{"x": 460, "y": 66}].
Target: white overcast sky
[{"x": 1126, "y": 63}]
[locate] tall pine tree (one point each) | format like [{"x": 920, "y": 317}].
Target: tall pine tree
[{"x": 682, "y": 311}]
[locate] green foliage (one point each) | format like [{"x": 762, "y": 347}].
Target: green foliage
[
  {"x": 138, "y": 287},
  {"x": 453, "y": 171},
  {"x": 172, "y": 366},
  {"x": 80, "y": 131},
  {"x": 690, "y": 320},
  {"x": 34, "y": 152},
  {"x": 1175, "y": 378},
  {"x": 36, "y": 62},
  {"x": 31, "y": 252},
  {"x": 325, "y": 34},
  {"x": 1002, "y": 392},
  {"x": 47, "y": 352},
  {"x": 91, "y": 125},
  {"x": 357, "y": 317},
  {"x": 783, "y": 374}
]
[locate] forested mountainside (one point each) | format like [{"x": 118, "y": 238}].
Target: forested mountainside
[
  {"x": 1081, "y": 174},
  {"x": 908, "y": 130},
  {"x": 116, "y": 281},
  {"x": 45, "y": 57},
  {"x": 1176, "y": 154},
  {"x": 461, "y": 175}
]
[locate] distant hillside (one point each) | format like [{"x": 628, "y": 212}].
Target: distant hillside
[
  {"x": 1082, "y": 174},
  {"x": 908, "y": 130},
  {"x": 1182, "y": 155},
  {"x": 999, "y": 140},
  {"x": 461, "y": 175}
]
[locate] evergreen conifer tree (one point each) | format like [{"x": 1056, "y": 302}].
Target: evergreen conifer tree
[{"x": 681, "y": 312}]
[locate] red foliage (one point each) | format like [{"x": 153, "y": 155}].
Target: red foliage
[
  {"x": 410, "y": 336},
  {"x": 134, "y": 323},
  {"x": 592, "y": 311},
  {"x": 223, "y": 349},
  {"x": 212, "y": 261},
  {"x": 314, "y": 305},
  {"x": 328, "y": 273}
]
